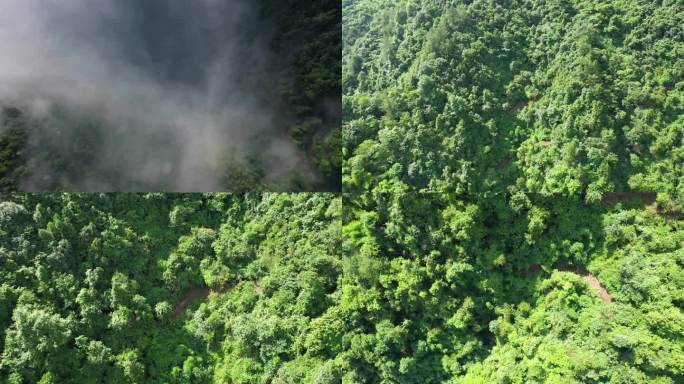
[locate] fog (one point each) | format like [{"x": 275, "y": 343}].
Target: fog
[{"x": 171, "y": 90}]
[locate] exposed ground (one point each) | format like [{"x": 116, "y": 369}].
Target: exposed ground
[
  {"x": 591, "y": 280},
  {"x": 189, "y": 297},
  {"x": 194, "y": 294},
  {"x": 615, "y": 197}
]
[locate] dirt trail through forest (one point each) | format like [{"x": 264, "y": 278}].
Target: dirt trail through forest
[
  {"x": 589, "y": 278},
  {"x": 649, "y": 198},
  {"x": 615, "y": 197},
  {"x": 193, "y": 294}
]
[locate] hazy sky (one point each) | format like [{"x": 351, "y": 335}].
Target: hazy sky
[{"x": 175, "y": 86}]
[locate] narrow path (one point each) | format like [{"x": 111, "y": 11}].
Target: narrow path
[
  {"x": 615, "y": 197},
  {"x": 196, "y": 293},
  {"x": 591, "y": 280},
  {"x": 649, "y": 198},
  {"x": 189, "y": 297}
]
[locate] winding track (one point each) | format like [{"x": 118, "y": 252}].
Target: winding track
[
  {"x": 615, "y": 197},
  {"x": 591, "y": 280},
  {"x": 195, "y": 293},
  {"x": 189, "y": 297}
]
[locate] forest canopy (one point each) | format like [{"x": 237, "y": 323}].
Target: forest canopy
[
  {"x": 565, "y": 98},
  {"x": 512, "y": 213},
  {"x": 317, "y": 288},
  {"x": 513, "y": 191},
  {"x": 521, "y": 289},
  {"x": 160, "y": 288}
]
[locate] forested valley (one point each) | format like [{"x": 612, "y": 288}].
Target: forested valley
[
  {"x": 316, "y": 288},
  {"x": 514, "y": 196},
  {"x": 556, "y": 97},
  {"x": 164, "y": 288},
  {"x": 512, "y": 212},
  {"x": 521, "y": 289}
]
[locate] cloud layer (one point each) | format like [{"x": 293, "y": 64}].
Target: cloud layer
[{"x": 171, "y": 89}]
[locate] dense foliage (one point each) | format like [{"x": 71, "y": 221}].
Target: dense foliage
[
  {"x": 312, "y": 29},
  {"x": 314, "y": 99},
  {"x": 523, "y": 289},
  {"x": 512, "y": 213},
  {"x": 13, "y": 142},
  {"x": 90, "y": 287},
  {"x": 484, "y": 142},
  {"x": 292, "y": 288},
  {"x": 566, "y": 97}
]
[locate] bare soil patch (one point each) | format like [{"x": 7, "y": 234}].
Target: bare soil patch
[
  {"x": 591, "y": 280},
  {"x": 616, "y": 197},
  {"x": 189, "y": 297},
  {"x": 196, "y": 293}
]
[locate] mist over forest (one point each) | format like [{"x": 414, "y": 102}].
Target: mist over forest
[{"x": 174, "y": 96}]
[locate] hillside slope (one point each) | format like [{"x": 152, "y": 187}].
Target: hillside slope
[{"x": 553, "y": 97}]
